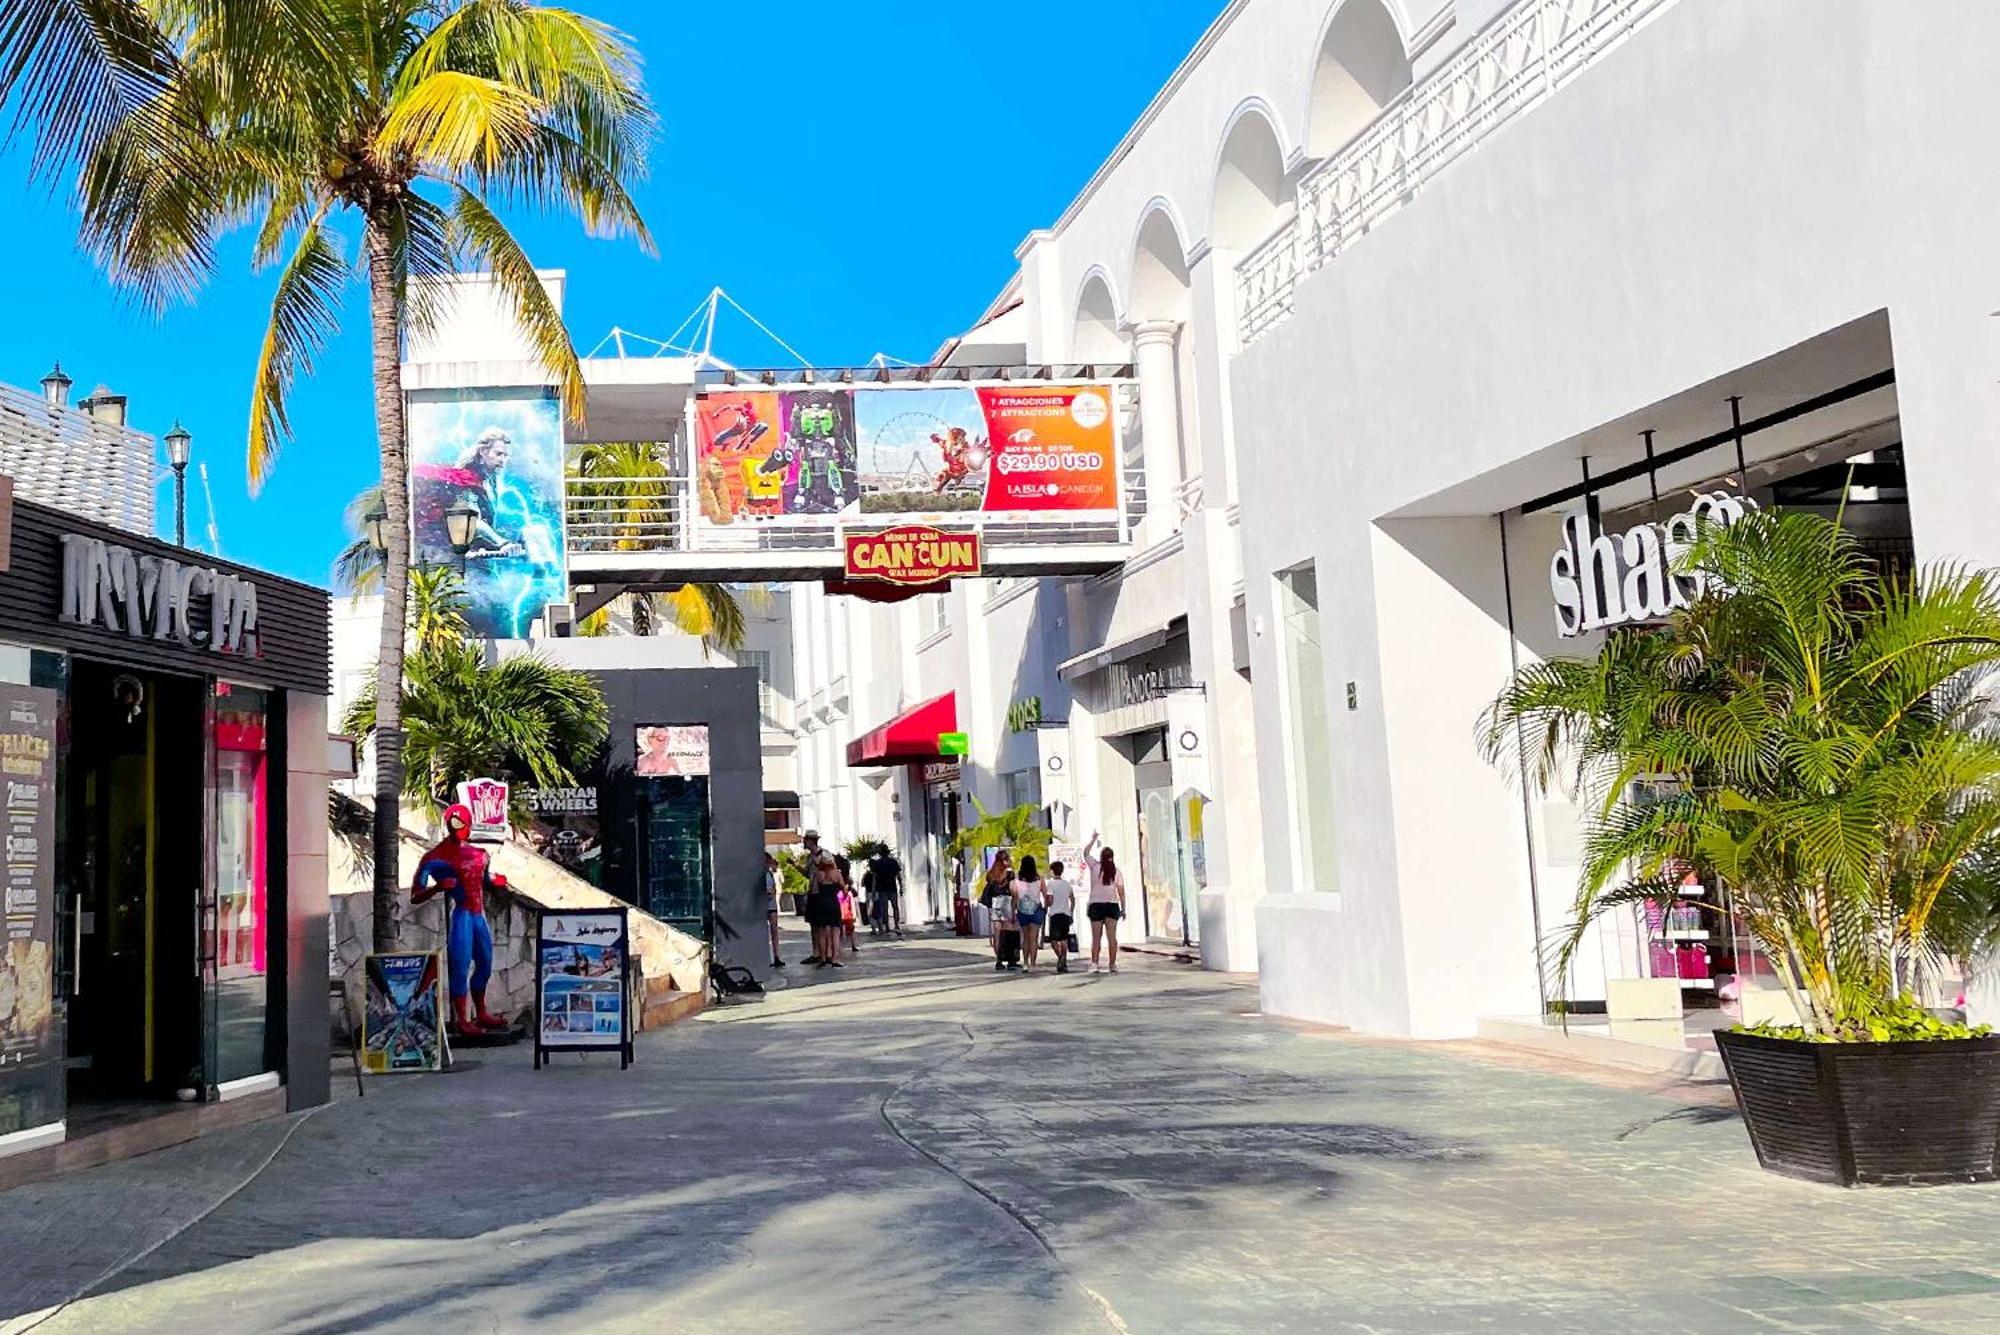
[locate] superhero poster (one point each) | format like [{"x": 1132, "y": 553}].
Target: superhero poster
[
  {"x": 399, "y": 1024},
  {"x": 497, "y": 454},
  {"x": 771, "y": 457}
]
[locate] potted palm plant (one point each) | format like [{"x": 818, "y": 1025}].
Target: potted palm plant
[{"x": 1828, "y": 744}]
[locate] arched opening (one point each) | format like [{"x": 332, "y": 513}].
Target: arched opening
[
  {"x": 1361, "y": 66},
  {"x": 1095, "y": 337},
  {"x": 1159, "y": 270},
  {"x": 1251, "y": 192}
]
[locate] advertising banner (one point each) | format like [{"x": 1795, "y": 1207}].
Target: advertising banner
[
  {"x": 1187, "y": 741},
  {"x": 913, "y": 554},
  {"x": 499, "y": 452},
  {"x": 565, "y": 830},
  {"x": 813, "y": 457},
  {"x": 581, "y": 969},
  {"x": 487, "y": 800},
  {"x": 672, "y": 750},
  {"x": 401, "y": 1024},
  {"x": 29, "y": 1045}
]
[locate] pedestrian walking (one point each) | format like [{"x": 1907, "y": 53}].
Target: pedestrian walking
[
  {"x": 1062, "y": 911},
  {"x": 886, "y": 890},
  {"x": 1031, "y": 911},
  {"x": 823, "y": 909},
  {"x": 998, "y": 897},
  {"x": 772, "y": 880},
  {"x": 1106, "y": 906}
]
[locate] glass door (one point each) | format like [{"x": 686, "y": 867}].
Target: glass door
[
  {"x": 676, "y": 882},
  {"x": 236, "y": 905}
]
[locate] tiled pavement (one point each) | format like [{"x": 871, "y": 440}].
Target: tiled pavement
[{"x": 918, "y": 1143}]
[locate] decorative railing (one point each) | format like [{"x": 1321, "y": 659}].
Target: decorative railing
[
  {"x": 1188, "y": 497},
  {"x": 1512, "y": 64}
]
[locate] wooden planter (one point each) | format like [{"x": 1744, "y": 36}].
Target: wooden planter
[{"x": 1875, "y": 1114}]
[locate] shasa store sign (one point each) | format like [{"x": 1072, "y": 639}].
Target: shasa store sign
[{"x": 1601, "y": 580}]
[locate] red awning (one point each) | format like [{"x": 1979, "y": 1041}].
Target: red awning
[{"x": 909, "y": 738}]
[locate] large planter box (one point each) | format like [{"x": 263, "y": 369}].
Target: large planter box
[{"x": 1876, "y": 1114}]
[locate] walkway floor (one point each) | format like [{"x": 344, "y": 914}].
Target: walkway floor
[{"x": 918, "y": 1143}]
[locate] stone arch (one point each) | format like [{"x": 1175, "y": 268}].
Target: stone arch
[
  {"x": 1094, "y": 335},
  {"x": 1252, "y": 191},
  {"x": 1359, "y": 68},
  {"x": 1159, "y": 286}
]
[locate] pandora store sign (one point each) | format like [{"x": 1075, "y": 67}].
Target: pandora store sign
[
  {"x": 1601, "y": 580},
  {"x": 157, "y": 598}
]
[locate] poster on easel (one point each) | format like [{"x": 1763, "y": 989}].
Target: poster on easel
[
  {"x": 402, "y": 1027},
  {"x": 583, "y": 968}
]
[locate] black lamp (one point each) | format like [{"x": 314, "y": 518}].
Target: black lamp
[
  {"x": 375, "y": 524},
  {"x": 179, "y": 445},
  {"x": 55, "y": 387}
]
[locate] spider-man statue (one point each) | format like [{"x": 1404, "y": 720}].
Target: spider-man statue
[{"x": 458, "y": 867}]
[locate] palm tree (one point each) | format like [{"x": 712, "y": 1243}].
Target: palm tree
[
  {"x": 1819, "y": 739},
  {"x": 465, "y": 718},
  {"x": 358, "y": 568},
  {"x": 412, "y": 117}
]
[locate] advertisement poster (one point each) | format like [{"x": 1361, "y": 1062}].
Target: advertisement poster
[
  {"x": 400, "y": 1023},
  {"x": 808, "y": 458},
  {"x": 672, "y": 750},
  {"x": 565, "y": 830},
  {"x": 500, "y": 452},
  {"x": 487, "y": 800},
  {"x": 580, "y": 981},
  {"x": 30, "y": 1074}
]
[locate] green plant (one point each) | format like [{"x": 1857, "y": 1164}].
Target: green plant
[
  {"x": 863, "y": 847},
  {"x": 414, "y": 119},
  {"x": 1825, "y": 747},
  {"x": 1901, "y": 1021},
  {"x": 1017, "y": 829},
  {"x": 792, "y": 875}
]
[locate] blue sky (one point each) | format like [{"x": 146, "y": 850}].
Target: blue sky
[{"x": 857, "y": 173}]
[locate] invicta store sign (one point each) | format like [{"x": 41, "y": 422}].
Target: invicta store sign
[
  {"x": 157, "y": 598},
  {"x": 912, "y": 554}
]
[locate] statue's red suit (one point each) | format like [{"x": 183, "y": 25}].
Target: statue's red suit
[{"x": 458, "y": 867}]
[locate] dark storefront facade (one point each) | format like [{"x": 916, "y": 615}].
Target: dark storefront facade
[
  {"x": 163, "y": 773},
  {"x": 671, "y": 818}
]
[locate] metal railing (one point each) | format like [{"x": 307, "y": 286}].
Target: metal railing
[
  {"x": 657, "y": 513},
  {"x": 1513, "y": 64}
]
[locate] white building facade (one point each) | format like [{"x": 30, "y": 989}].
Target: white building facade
[{"x": 1406, "y": 284}]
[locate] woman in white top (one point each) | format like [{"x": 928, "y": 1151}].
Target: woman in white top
[
  {"x": 1062, "y": 914},
  {"x": 1106, "y": 906},
  {"x": 1031, "y": 910}
]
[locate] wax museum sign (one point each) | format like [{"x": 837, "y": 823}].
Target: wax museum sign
[
  {"x": 912, "y": 554},
  {"x": 157, "y": 598},
  {"x": 1601, "y": 580}
]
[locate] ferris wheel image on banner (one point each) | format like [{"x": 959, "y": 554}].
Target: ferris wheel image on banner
[{"x": 920, "y": 461}]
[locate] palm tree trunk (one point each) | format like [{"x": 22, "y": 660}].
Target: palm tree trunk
[{"x": 385, "y": 329}]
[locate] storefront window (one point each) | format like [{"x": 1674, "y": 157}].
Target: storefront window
[
  {"x": 33, "y": 694},
  {"x": 1307, "y": 735},
  {"x": 241, "y": 880}
]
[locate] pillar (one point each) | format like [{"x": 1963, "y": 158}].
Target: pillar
[{"x": 1153, "y": 344}]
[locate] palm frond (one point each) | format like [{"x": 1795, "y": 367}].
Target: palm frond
[{"x": 304, "y": 314}]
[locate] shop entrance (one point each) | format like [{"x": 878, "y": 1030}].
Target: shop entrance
[
  {"x": 130, "y": 867},
  {"x": 1165, "y": 854},
  {"x": 674, "y": 873}
]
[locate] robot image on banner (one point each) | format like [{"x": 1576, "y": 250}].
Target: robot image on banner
[
  {"x": 457, "y": 868},
  {"x": 818, "y": 451}
]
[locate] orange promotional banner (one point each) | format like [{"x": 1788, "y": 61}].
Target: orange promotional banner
[
  {"x": 912, "y": 554},
  {"x": 1052, "y": 448}
]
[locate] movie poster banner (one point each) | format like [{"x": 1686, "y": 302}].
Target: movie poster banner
[
  {"x": 31, "y": 1073},
  {"x": 498, "y": 453},
  {"x": 582, "y": 964},
  {"x": 401, "y": 1023},
  {"x": 810, "y": 458}
]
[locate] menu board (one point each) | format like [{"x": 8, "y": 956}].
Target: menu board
[
  {"x": 27, "y": 949},
  {"x": 582, "y": 971}
]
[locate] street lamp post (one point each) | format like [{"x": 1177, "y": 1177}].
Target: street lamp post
[
  {"x": 179, "y": 444},
  {"x": 461, "y": 521}
]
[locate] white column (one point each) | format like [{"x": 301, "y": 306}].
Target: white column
[{"x": 1159, "y": 421}]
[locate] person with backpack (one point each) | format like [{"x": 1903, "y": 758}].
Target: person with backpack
[
  {"x": 998, "y": 897},
  {"x": 1030, "y": 911}
]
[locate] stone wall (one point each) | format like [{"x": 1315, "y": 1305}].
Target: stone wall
[{"x": 663, "y": 956}]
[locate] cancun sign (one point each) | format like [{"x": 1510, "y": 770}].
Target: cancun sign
[
  {"x": 1601, "y": 580},
  {"x": 912, "y": 554}
]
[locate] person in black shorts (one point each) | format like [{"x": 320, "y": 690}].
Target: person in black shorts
[{"x": 1062, "y": 911}]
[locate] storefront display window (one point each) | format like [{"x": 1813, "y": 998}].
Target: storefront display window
[{"x": 241, "y": 880}]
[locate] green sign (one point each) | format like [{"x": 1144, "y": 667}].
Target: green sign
[{"x": 953, "y": 744}]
